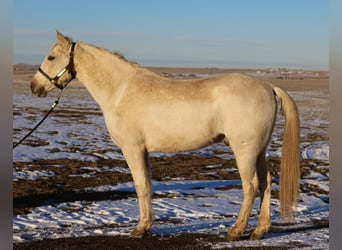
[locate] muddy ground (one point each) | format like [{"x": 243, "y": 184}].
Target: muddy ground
[{"x": 62, "y": 188}]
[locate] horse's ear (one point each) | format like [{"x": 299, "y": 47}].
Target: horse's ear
[{"x": 61, "y": 39}]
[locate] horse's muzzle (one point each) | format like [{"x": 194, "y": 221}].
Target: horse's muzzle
[{"x": 38, "y": 90}]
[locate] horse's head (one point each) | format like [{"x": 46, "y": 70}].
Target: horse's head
[{"x": 57, "y": 68}]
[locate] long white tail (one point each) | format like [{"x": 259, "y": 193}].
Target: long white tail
[{"x": 289, "y": 166}]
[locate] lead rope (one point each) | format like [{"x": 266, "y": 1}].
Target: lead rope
[{"x": 39, "y": 123}]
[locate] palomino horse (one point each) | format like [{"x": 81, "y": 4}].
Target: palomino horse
[{"x": 145, "y": 112}]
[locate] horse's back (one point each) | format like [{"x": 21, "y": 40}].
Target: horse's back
[{"x": 242, "y": 98}]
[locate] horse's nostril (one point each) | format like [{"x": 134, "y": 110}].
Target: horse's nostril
[{"x": 32, "y": 88}]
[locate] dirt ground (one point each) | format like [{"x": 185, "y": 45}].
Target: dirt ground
[
  {"x": 29, "y": 194},
  {"x": 183, "y": 241}
]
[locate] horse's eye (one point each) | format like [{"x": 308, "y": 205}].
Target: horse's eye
[{"x": 51, "y": 58}]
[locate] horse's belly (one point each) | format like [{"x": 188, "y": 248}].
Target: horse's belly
[
  {"x": 167, "y": 144},
  {"x": 183, "y": 133}
]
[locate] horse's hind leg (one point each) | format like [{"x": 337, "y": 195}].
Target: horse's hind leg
[
  {"x": 246, "y": 158},
  {"x": 264, "y": 185},
  {"x": 138, "y": 162}
]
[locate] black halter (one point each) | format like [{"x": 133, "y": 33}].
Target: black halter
[{"x": 69, "y": 68}]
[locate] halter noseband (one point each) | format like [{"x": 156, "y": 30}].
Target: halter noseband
[{"x": 69, "y": 68}]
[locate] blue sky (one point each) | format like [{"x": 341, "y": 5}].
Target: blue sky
[{"x": 217, "y": 33}]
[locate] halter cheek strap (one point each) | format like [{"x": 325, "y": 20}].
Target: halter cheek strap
[{"x": 69, "y": 68}]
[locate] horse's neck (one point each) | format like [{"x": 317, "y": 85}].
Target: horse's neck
[{"x": 102, "y": 72}]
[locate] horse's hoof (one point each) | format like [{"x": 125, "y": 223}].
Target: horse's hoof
[
  {"x": 256, "y": 236},
  {"x": 137, "y": 233},
  {"x": 232, "y": 237}
]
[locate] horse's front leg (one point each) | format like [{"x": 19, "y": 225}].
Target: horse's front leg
[{"x": 138, "y": 162}]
